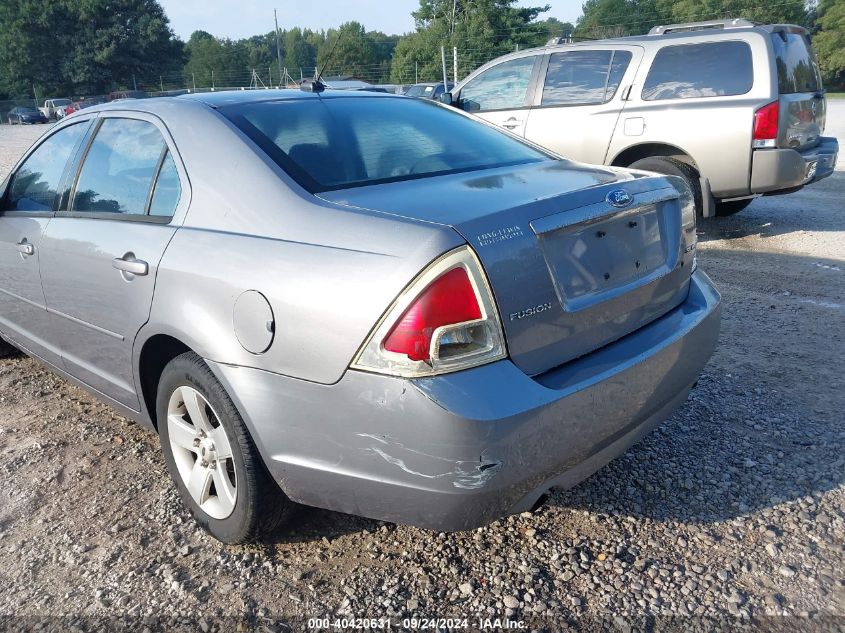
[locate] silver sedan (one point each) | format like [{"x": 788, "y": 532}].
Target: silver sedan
[{"x": 360, "y": 302}]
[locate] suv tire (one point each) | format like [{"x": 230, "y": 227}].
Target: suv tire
[
  {"x": 212, "y": 459},
  {"x": 732, "y": 207},
  {"x": 674, "y": 167}
]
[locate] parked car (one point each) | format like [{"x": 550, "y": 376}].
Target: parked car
[
  {"x": 355, "y": 301},
  {"x": 735, "y": 109},
  {"x": 76, "y": 106},
  {"x": 54, "y": 109},
  {"x": 428, "y": 90},
  {"x": 23, "y": 115}
]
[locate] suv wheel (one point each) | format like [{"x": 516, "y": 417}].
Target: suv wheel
[
  {"x": 674, "y": 167},
  {"x": 211, "y": 456},
  {"x": 734, "y": 206}
]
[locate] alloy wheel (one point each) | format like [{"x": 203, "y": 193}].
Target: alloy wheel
[{"x": 202, "y": 452}]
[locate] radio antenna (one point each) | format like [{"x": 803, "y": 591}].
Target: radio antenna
[{"x": 316, "y": 85}]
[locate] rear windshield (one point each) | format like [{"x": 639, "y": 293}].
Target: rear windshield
[
  {"x": 338, "y": 142},
  {"x": 796, "y": 64}
]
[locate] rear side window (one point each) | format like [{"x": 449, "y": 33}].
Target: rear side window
[
  {"x": 119, "y": 168},
  {"x": 502, "y": 87},
  {"x": 796, "y": 64},
  {"x": 35, "y": 184},
  {"x": 584, "y": 77},
  {"x": 687, "y": 71}
]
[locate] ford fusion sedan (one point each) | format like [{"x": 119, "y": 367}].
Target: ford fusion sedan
[{"x": 361, "y": 302}]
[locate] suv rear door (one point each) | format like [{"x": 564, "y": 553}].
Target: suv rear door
[
  {"x": 579, "y": 99},
  {"x": 802, "y": 103}
]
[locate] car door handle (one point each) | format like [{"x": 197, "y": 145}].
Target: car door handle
[
  {"x": 25, "y": 247},
  {"x": 511, "y": 123},
  {"x": 129, "y": 264}
]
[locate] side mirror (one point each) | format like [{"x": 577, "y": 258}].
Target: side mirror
[{"x": 446, "y": 98}]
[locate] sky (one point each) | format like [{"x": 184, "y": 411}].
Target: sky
[{"x": 242, "y": 18}]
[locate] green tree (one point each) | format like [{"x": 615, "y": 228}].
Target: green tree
[
  {"x": 480, "y": 29},
  {"x": 227, "y": 59},
  {"x": 348, "y": 50},
  {"x": 83, "y": 46},
  {"x": 829, "y": 42},
  {"x": 300, "y": 54}
]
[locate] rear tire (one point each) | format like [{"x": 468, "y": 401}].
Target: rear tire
[
  {"x": 7, "y": 349},
  {"x": 730, "y": 208},
  {"x": 212, "y": 458},
  {"x": 674, "y": 167}
]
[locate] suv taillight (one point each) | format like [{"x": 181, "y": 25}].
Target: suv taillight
[{"x": 766, "y": 125}]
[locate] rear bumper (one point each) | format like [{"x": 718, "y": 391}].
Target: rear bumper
[
  {"x": 461, "y": 450},
  {"x": 776, "y": 169}
]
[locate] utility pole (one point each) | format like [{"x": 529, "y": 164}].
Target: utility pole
[
  {"x": 194, "y": 81},
  {"x": 134, "y": 83},
  {"x": 416, "y": 72},
  {"x": 454, "y": 8},
  {"x": 270, "y": 70},
  {"x": 212, "y": 79},
  {"x": 443, "y": 60},
  {"x": 455, "y": 55},
  {"x": 161, "y": 83},
  {"x": 278, "y": 45}
]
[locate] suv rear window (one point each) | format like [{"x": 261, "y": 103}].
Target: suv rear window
[
  {"x": 796, "y": 65},
  {"x": 339, "y": 142},
  {"x": 712, "y": 69}
]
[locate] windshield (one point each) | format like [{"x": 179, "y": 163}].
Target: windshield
[
  {"x": 419, "y": 91},
  {"x": 796, "y": 64},
  {"x": 61, "y": 102},
  {"x": 339, "y": 142}
]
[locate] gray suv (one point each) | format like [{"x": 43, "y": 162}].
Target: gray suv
[{"x": 735, "y": 108}]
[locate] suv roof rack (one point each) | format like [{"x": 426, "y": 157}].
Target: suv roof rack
[{"x": 701, "y": 26}]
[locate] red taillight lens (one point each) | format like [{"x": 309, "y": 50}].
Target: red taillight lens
[
  {"x": 766, "y": 122},
  {"x": 448, "y": 300}
]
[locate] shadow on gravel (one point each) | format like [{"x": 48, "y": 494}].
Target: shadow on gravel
[
  {"x": 777, "y": 215},
  {"x": 765, "y": 424}
]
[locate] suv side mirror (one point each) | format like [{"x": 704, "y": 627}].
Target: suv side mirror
[{"x": 446, "y": 98}]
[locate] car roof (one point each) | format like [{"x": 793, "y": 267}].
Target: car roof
[
  {"x": 234, "y": 97},
  {"x": 223, "y": 98},
  {"x": 650, "y": 39}
]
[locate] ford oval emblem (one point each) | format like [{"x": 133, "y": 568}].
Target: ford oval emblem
[{"x": 619, "y": 198}]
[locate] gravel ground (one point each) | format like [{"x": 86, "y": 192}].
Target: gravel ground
[{"x": 732, "y": 511}]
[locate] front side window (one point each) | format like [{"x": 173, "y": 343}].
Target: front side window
[
  {"x": 119, "y": 168},
  {"x": 35, "y": 185},
  {"x": 502, "y": 87},
  {"x": 584, "y": 77},
  {"x": 338, "y": 142},
  {"x": 712, "y": 69}
]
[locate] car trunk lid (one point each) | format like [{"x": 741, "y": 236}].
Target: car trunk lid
[{"x": 570, "y": 271}]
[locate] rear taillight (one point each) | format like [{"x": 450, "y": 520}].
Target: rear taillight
[
  {"x": 766, "y": 125},
  {"x": 444, "y": 321}
]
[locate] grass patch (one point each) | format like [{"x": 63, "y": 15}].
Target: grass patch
[{"x": 836, "y": 95}]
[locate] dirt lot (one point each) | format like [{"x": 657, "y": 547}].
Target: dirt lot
[{"x": 733, "y": 509}]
